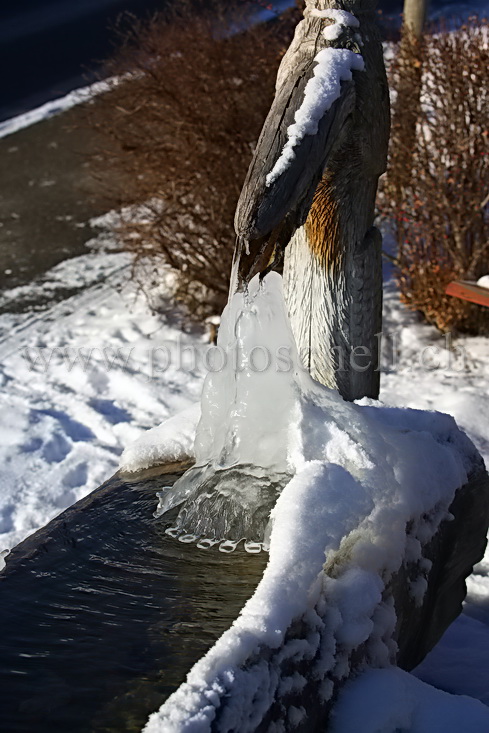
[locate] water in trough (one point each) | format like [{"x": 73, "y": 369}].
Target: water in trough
[{"x": 103, "y": 614}]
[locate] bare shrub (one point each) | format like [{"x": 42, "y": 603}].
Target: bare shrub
[
  {"x": 437, "y": 184},
  {"x": 178, "y": 133}
]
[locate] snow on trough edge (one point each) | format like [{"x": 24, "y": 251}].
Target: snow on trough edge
[
  {"x": 374, "y": 470},
  {"x": 172, "y": 441},
  {"x": 322, "y": 503}
]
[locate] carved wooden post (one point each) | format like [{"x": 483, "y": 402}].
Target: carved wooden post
[{"x": 319, "y": 207}]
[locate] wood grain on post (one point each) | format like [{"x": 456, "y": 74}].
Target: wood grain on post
[{"x": 320, "y": 210}]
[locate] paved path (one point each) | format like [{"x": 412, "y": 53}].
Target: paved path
[
  {"x": 46, "y": 46},
  {"x": 46, "y": 197}
]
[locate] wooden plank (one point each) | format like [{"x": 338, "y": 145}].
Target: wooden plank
[{"x": 468, "y": 291}]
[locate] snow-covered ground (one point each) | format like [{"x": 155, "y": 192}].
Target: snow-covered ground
[
  {"x": 79, "y": 381},
  {"x": 420, "y": 371}
]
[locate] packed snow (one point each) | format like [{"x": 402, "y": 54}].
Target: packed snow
[
  {"x": 389, "y": 700},
  {"x": 172, "y": 441},
  {"x": 81, "y": 379}
]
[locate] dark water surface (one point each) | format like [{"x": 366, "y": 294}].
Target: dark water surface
[{"x": 102, "y": 614}]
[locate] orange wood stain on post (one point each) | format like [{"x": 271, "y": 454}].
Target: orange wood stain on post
[{"x": 322, "y": 225}]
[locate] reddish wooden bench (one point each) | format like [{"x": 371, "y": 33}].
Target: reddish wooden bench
[{"x": 468, "y": 291}]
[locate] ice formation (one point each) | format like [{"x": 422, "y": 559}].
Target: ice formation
[
  {"x": 263, "y": 419},
  {"x": 242, "y": 444},
  {"x": 333, "y": 65},
  {"x": 338, "y": 534}
]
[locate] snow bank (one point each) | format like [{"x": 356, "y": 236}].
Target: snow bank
[
  {"x": 55, "y": 107},
  {"x": 389, "y": 700},
  {"x": 458, "y": 663},
  {"x": 361, "y": 475},
  {"x": 79, "y": 381}
]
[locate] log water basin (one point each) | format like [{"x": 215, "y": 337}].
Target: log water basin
[{"x": 102, "y": 614}]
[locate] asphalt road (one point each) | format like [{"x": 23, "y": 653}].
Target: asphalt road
[
  {"x": 48, "y": 48},
  {"x": 46, "y": 197}
]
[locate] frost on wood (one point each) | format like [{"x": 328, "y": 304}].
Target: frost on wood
[
  {"x": 333, "y": 65},
  {"x": 363, "y": 489}
]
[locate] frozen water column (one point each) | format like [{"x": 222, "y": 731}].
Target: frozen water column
[{"x": 307, "y": 204}]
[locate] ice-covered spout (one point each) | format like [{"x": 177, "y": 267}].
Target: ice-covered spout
[
  {"x": 249, "y": 403},
  {"x": 246, "y": 405}
]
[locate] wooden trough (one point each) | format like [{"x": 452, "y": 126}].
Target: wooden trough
[{"x": 102, "y": 614}]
